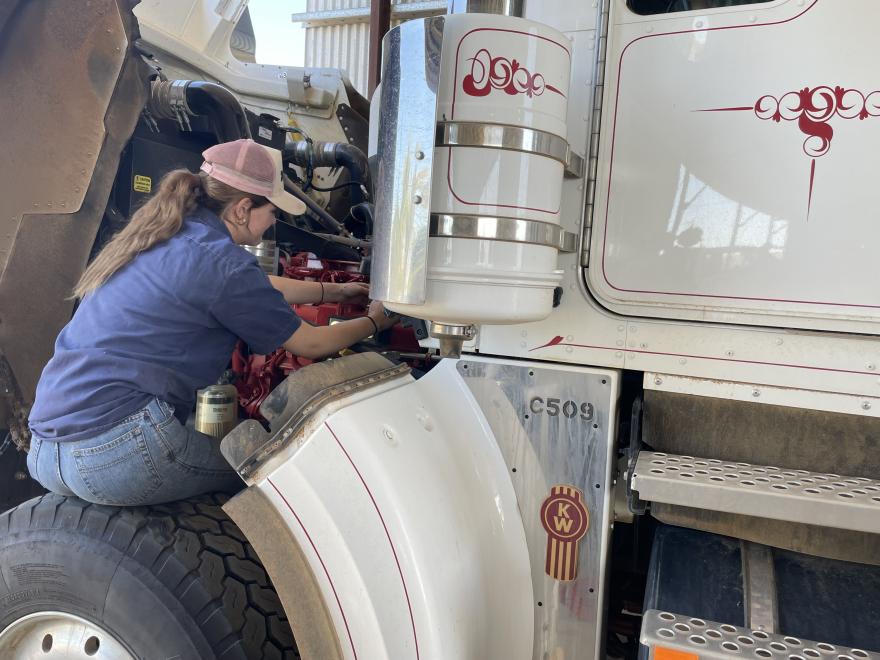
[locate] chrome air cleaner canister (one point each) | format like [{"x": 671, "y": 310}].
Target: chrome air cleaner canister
[{"x": 472, "y": 148}]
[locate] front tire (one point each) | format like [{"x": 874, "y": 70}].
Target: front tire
[{"x": 174, "y": 580}]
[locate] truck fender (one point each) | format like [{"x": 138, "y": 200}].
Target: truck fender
[{"x": 391, "y": 529}]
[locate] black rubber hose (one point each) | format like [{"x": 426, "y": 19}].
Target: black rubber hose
[
  {"x": 333, "y": 154},
  {"x": 355, "y": 161},
  {"x": 363, "y": 213},
  {"x": 206, "y": 98},
  {"x": 327, "y": 221}
]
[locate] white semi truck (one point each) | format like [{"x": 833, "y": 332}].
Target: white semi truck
[{"x": 636, "y": 240}]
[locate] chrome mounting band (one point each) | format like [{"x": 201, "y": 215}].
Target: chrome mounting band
[
  {"x": 510, "y": 138},
  {"x": 493, "y": 228}
]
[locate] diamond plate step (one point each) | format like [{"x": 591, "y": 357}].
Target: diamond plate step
[
  {"x": 708, "y": 639},
  {"x": 829, "y": 500}
]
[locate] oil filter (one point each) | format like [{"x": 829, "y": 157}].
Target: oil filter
[{"x": 216, "y": 410}]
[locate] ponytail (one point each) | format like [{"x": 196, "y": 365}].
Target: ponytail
[{"x": 161, "y": 217}]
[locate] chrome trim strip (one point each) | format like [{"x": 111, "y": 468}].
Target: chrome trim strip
[
  {"x": 509, "y": 138},
  {"x": 504, "y": 7},
  {"x": 408, "y": 107},
  {"x": 493, "y": 228}
]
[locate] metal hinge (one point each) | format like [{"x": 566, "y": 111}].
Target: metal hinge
[
  {"x": 592, "y": 159},
  {"x": 585, "y": 247}
]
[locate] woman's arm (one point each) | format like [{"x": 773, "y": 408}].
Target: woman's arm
[
  {"x": 320, "y": 341},
  {"x": 298, "y": 292}
]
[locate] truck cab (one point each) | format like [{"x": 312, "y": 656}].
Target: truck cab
[{"x": 631, "y": 409}]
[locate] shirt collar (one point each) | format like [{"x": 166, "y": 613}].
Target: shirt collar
[{"x": 207, "y": 217}]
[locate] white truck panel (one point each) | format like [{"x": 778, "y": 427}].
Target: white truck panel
[
  {"x": 588, "y": 328},
  {"x": 734, "y": 178},
  {"x": 411, "y": 526}
]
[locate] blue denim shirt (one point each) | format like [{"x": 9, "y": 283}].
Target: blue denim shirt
[{"x": 162, "y": 326}]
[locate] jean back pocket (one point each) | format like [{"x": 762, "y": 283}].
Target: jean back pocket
[{"x": 120, "y": 471}]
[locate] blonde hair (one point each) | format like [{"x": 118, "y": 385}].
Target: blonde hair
[{"x": 179, "y": 194}]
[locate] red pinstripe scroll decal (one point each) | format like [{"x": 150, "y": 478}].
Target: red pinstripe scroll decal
[
  {"x": 812, "y": 109},
  {"x": 565, "y": 519},
  {"x": 620, "y": 69},
  {"x": 480, "y": 77},
  {"x": 488, "y": 73}
]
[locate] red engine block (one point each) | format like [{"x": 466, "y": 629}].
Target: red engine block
[
  {"x": 258, "y": 375},
  {"x": 304, "y": 266}
]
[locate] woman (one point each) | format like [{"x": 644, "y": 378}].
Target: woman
[{"x": 162, "y": 306}]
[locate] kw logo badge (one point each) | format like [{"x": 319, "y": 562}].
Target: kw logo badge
[{"x": 565, "y": 519}]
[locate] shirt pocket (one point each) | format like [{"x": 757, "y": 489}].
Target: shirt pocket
[{"x": 119, "y": 472}]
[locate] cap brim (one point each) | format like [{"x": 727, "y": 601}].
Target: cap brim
[{"x": 288, "y": 203}]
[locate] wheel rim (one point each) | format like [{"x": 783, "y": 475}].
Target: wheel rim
[{"x": 49, "y": 635}]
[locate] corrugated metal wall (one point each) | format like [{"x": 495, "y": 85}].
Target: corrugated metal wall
[{"x": 344, "y": 46}]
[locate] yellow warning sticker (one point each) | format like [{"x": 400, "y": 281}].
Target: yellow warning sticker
[{"x": 142, "y": 183}]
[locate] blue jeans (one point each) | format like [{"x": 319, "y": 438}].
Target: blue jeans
[{"x": 147, "y": 458}]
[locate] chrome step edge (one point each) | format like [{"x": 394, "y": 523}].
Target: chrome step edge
[
  {"x": 766, "y": 491},
  {"x": 709, "y": 639}
]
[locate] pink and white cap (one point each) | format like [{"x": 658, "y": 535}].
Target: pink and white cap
[{"x": 253, "y": 168}]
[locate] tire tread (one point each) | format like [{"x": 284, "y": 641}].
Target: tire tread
[{"x": 195, "y": 551}]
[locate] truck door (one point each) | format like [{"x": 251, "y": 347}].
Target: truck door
[{"x": 735, "y": 179}]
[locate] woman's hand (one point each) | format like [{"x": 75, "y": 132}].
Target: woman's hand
[
  {"x": 314, "y": 342},
  {"x": 377, "y": 313},
  {"x": 352, "y": 292}
]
